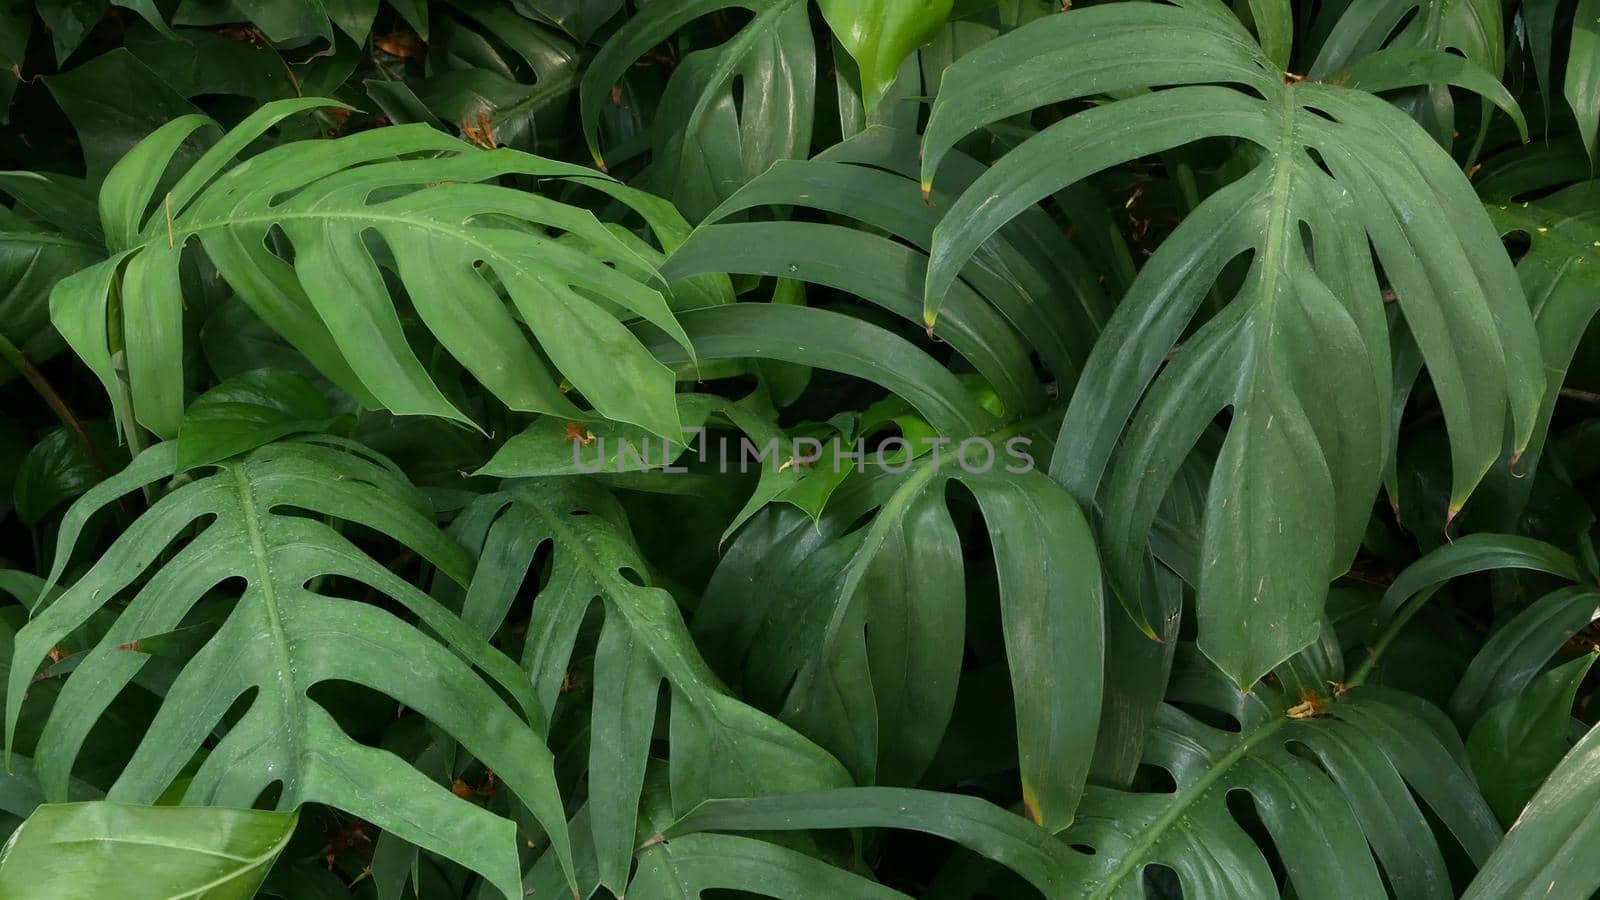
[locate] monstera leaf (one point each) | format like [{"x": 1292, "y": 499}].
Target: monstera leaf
[
  {"x": 1525, "y": 642},
  {"x": 1376, "y": 35},
  {"x": 1580, "y": 85},
  {"x": 1010, "y": 310},
  {"x": 281, "y": 638},
  {"x": 1301, "y": 355},
  {"x": 857, "y": 633},
  {"x": 1332, "y": 785},
  {"x": 1333, "y": 780},
  {"x": 1561, "y": 275},
  {"x": 703, "y": 145},
  {"x": 871, "y": 673},
  {"x": 720, "y": 746},
  {"x": 306, "y": 233},
  {"x": 32, "y": 259}
]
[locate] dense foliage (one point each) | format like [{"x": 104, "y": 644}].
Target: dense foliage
[{"x": 488, "y": 448}]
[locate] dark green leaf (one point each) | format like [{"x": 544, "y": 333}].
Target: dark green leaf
[
  {"x": 1516, "y": 744},
  {"x": 247, "y": 411}
]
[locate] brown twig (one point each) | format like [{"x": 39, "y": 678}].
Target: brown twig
[{"x": 18, "y": 360}]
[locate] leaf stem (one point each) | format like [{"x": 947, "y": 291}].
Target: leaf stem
[
  {"x": 1390, "y": 632},
  {"x": 13, "y": 356}
]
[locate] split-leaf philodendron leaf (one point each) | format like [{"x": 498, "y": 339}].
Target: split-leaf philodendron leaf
[{"x": 487, "y": 449}]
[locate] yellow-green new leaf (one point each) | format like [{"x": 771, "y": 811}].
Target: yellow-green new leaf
[
  {"x": 880, "y": 34},
  {"x": 101, "y": 849}
]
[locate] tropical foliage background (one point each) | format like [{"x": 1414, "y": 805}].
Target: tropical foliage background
[{"x": 358, "y": 363}]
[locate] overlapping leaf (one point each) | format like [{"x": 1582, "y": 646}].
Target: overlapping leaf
[
  {"x": 1523, "y": 644},
  {"x": 1301, "y": 355},
  {"x": 1560, "y": 273},
  {"x": 1540, "y": 857},
  {"x": 857, "y": 632},
  {"x": 1332, "y": 784},
  {"x": 282, "y": 637},
  {"x": 703, "y": 146},
  {"x": 308, "y": 231},
  {"x": 720, "y": 746},
  {"x": 1368, "y": 34},
  {"x": 1012, "y": 308},
  {"x": 1331, "y": 781},
  {"x": 1517, "y": 743},
  {"x": 477, "y": 69},
  {"x": 871, "y": 674},
  {"x": 32, "y": 259},
  {"x": 1580, "y": 83}
]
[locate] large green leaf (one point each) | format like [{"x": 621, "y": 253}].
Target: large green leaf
[
  {"x": 704, "y": 145},
  {"x": 1020, "y": 273},
  {"x": 1516, "y": 744},
  {"x": 1471, "y": 31},
  {"x": 1541, "y": 856},
  {"x": 1520, "y": 649},
  {"x": 720, "y": 747},
  {"x": 281, "y": 639},
  {"x": 1301, "y": 355},
  {"x": 32, "y": 259},
  {"x": 142, "y": 853},
  {"x": 1560, "y": 272},
  {"x": 856, "y": 631},
  {"x": 1332, "y": 780},
  {"x": 976, "y": 824},
  {"x": 344, "y": 211}
]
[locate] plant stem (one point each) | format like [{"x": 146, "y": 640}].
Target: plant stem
[
  {"x": 1392, "y": 631},
  {"x": 18, "y": 360}
]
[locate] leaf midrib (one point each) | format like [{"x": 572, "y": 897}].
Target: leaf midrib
[
  {"x": 459, "y": 232},
  {"x": 1135, "y": 858},
  {"x": 269, "y": 600},
  {"x": 1282, "y": 186}
]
